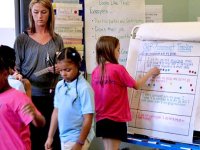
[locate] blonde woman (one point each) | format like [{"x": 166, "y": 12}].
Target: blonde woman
[{"x": 35, "y": 51}]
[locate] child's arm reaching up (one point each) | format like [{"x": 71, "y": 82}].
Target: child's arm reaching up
[
  {"x": 38, "y": 119},
  {"x": 152, "y": 72}
]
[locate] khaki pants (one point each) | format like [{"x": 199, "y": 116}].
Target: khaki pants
[{"x": 69, "y": 145}]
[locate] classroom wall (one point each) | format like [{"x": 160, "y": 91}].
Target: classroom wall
[
  {"x": 173, "y": 10},
  {"x": 179, "y": 10},
  {"x": 7, "y": 26},
  {"x": 194, "y": 9}
]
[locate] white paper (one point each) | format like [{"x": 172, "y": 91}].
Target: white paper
[
  {"x": 179, "y": 31},
  {"x": 111, "y": 17},
  {"x": 69, "y": 29},
  {"x": 67, "y": 18},
  {"x": 154, "y": 13},
  {"x": 64, "y": 23},
  {"x": 72, "y": 41},
  {"x": 69, "y": 24},
  {"x": 68, "y": 5},
  {"x": 71, "y": 35},
  {"x": 67, "y": 1}
]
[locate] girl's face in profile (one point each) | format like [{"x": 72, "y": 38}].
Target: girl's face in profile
[
  {"x": 68, "y": 70},
  {"x": 40, "y": 14},
  {"x": 117, "y": 52}
]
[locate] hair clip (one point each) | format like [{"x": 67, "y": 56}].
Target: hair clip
[
  {"x": 73, "y": 54},
  {"x": 58, "y": 53}
]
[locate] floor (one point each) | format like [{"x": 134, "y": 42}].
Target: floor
[{"x": 98, "y": 145}]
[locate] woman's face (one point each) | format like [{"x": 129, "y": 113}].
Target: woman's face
[
  {"x": 117, "y": 52},
  {"x": 40, "y": 14}
]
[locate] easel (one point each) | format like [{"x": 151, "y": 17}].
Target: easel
[{"x": 150, "y": 34}]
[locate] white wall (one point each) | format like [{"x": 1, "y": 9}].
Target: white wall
[{"x": 7, "y": 25}]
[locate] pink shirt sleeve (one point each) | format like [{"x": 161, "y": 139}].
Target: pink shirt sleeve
[
  {"x": 18, "y": 103},
  {"x": 25, "y": 118},
  {"x": 126, "y": 78}
]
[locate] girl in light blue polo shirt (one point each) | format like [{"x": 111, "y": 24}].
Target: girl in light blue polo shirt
[{"x": 73, "y": 105}]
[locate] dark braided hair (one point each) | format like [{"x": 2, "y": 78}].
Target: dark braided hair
[
  {"x": 7, "y": 57},
  {"x": 70, "y": 54},
  {"x": 2, "y": 64}
]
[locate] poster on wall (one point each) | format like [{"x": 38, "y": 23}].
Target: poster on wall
[
  {"x": 69, "y": 23},
  {"x": 166, "y": 105},
  {"x": 111, "y": 17},
  {"x": 154, "y": 13}
]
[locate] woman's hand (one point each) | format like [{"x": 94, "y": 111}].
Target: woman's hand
[
  {"x": 17, "y": 76},
  {"x": 51, "y": 69}
]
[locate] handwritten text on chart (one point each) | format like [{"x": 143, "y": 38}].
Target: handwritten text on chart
[
  {"x": 162, "y": 47},
  {"x": 165, "y": 106},
  {"x": 172, "y": 64},
  {"x": 161, "y": 102},
  {"x": 173, "y": 83},
  {"x": 143, "y": 120}
]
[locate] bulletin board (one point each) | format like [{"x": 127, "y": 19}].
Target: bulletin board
[{"x": 69, "y": 22}]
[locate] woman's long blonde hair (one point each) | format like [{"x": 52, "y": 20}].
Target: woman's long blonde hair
[{"x": 51, "y": 21}]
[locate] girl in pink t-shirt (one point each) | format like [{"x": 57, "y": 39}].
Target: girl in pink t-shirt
[
  {"x": 16, "y": 110},
  {"x": 110, "y": 81}
]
